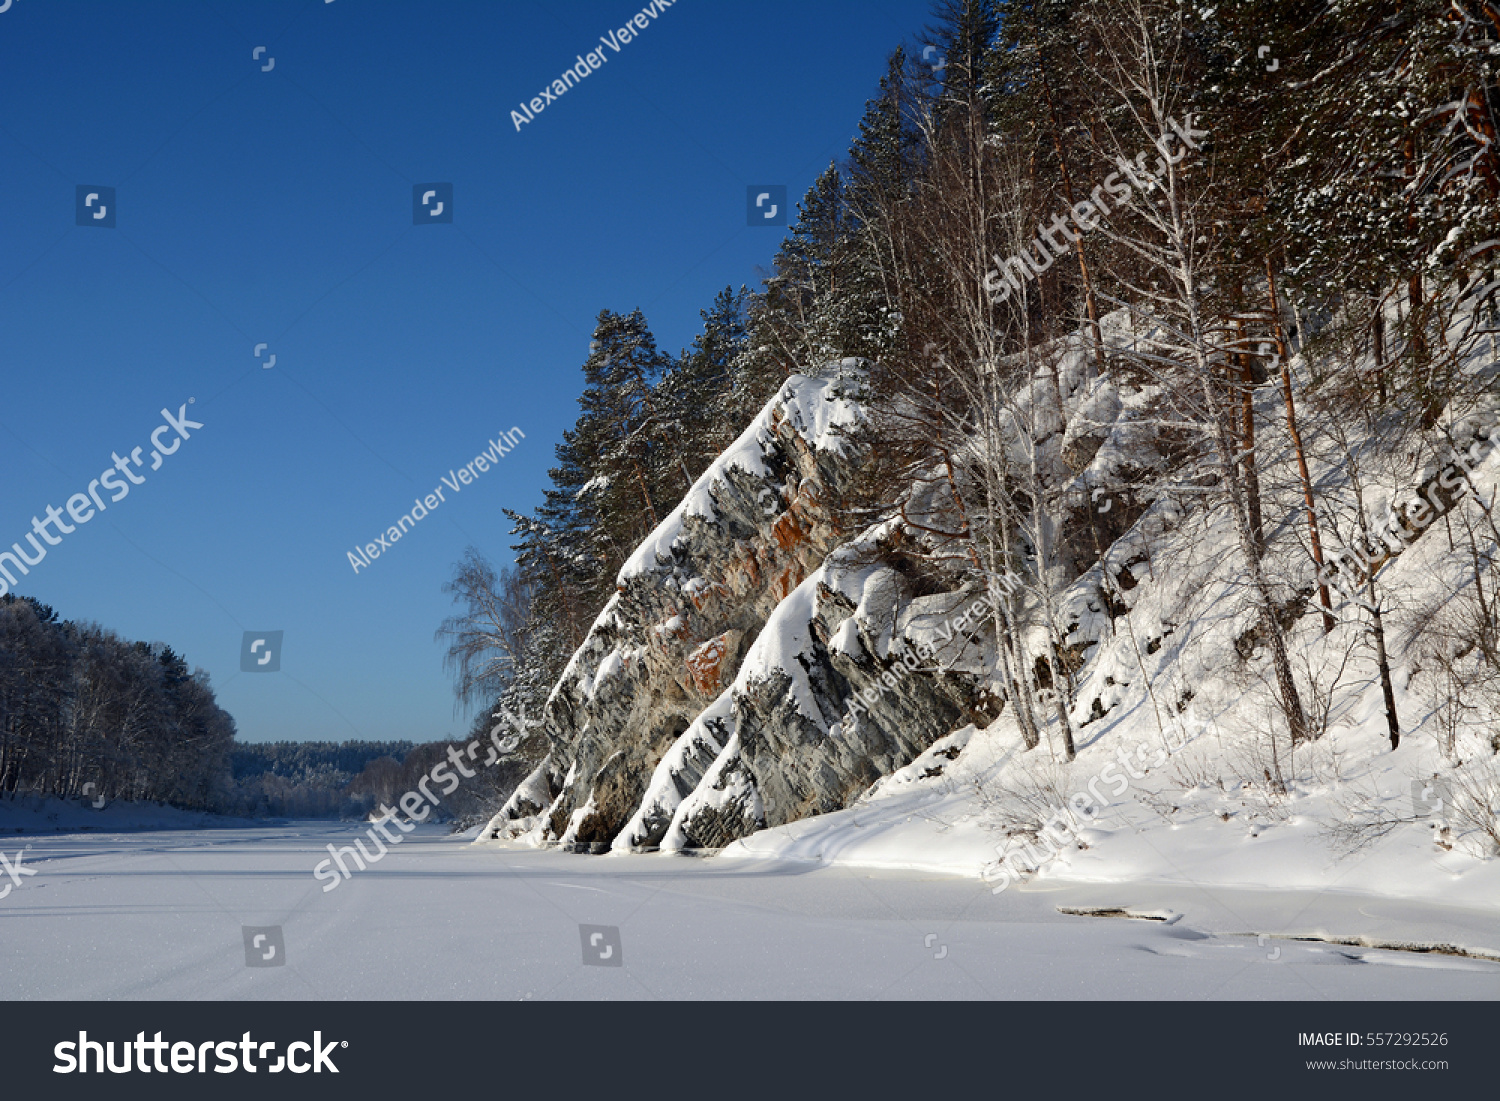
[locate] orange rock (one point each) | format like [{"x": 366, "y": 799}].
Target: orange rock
[
  {"x": 788, "y": 531},
  {"x": 706, "y": 663}
]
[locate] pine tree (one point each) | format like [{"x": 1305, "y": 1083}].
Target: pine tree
[
  {"x": 1394, "y": 187},
  {"x": 611, "y": 484},
  {"x": 884, "y": 165},
  {"x": 695, "y": 396},
  {"x": 621, "y": 427},
  {"x": 794, "y": 326},
  {"x": 965, "y": 32}
]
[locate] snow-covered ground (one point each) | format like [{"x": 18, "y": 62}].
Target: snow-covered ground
[
  {"x": 161, "y": 915},
  {"x": 1154, "y": 826},
  {"x": 1232, "y": 857}
]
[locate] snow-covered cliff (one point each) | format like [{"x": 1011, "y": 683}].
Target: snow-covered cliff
[{"x": 707, "y": 697}]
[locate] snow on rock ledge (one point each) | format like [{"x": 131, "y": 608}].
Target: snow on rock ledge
[
  {"x": 678, "y": 775},
  {"x": 723, "y": 808}
]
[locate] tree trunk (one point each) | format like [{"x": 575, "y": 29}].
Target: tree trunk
[
  {"x": 1286, "y": 683},
  {"x": 1284, "y": 355},
  {"x": 1393, "y": 724},
  {"x": 640, "y": 478},
  {"x": 1377, "y": 329},
  {"x": 1247, "y": 443}
]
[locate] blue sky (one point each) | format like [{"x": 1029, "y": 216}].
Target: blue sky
[{"x": 273, "y": 206}]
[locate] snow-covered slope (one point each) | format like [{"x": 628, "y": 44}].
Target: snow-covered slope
[
  {"x": 1181, "y": 779},
  {"x": 768, "y": 682}
]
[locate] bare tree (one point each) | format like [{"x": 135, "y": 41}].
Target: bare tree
[
  {"x": 1172, "y": 234},
  {"x": 486, "y": 638}
]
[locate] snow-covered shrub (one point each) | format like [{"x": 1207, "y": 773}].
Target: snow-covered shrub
[{"x": 1473, "y": 810}]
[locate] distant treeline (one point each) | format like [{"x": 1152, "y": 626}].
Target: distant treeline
[
  {"x": 86, "y": 714},
  {"x": 305, "y": 779},
  {"x": 81, "y": 706},
  {"x": 353, "y": 779}
]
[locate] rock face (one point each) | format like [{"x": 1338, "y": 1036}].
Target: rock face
[
  {"x": 807, "y": 748},
  {"x": 711, "y": 695}
]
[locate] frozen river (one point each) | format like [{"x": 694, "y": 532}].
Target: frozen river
[{"x": 176, "y": 915}]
